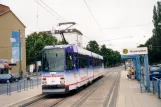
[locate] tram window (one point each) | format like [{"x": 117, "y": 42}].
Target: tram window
[
  {"x": 101, "y": 63},
  {"x": 82, "y": 61},
  {"x": 91, "y": 61},
  {"x": 76, "y": 61},
  {"x": 69, "y": 61},
  {"x": 85, "y": 61},
  {"x": 95, "y": 62}
]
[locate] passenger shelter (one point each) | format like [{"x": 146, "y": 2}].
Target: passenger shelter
[{"x": 140, "y": 75}]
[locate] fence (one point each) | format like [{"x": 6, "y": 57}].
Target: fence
[
  {"x": 142, "y": 81},
  {"x": 156, "y": 85},
  {"x": 18, "y": 86}
]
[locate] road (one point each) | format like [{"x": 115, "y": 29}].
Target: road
[
  {"x": 3, "y": 86},
  {"x": 101, "y": 93}
]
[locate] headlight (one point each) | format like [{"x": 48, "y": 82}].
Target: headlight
[
  {"x": 44, "y": 81},
  {"x": 62, "y": 80}
]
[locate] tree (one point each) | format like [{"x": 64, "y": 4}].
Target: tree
[
  {"x": 110, "y": 57},
  {"x": 155, "y": 40},
  {"x": 35, "y": 42},
  {"x": 93, "y": 46},
  {"x": 104, "y": 53}
]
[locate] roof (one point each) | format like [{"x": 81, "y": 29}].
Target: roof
[
  {"x": 3, "y": 8},
  {"x": 79, "y": 50},
  {"x": 7, "y": 11}
]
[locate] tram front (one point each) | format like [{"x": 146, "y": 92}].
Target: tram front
[{"x": 53, "y": 67}]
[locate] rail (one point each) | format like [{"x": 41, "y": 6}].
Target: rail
[{"x": 156, "y": 83}]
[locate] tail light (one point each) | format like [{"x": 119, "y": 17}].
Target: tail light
[
  {"x": 62, "y": 80},
  {"x": 44, "y": 81}
]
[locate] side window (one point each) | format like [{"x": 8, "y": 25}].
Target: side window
[
  {"x": 95, "y": 62},
  {"x": 76, "y": 60},
  {"x": 85, "y": 61},
  {"x": 91, "y": 62},
  {"x": 101, "y": 63},
  {"x": 69, "y": 61},
  {"x": 82, "y": 60}
]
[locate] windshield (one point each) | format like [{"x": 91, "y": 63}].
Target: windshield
[{"x": 53, "y": 60}]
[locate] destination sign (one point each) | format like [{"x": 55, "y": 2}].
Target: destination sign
[{"x": 134, "y": 51}]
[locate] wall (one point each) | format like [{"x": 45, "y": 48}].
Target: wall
[
  {"x": 9, "y": 23},
  {"x": 71, "y": 38}
]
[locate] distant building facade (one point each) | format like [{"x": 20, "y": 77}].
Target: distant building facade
[
  {"x": 72, "y": 36},
  {"x": 11, "y": 31}
]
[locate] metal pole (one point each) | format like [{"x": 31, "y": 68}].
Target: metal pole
[
  {"x": 147, "y": 73},
  {"x": 153, "y": 85},
  {"x": 158, "y": 81},
  {"x": 20, "y": 86},
  {"x": 17, "y": 87},
  {"x": 20, "y": 68},
  {"x": 7, "y": 87},
  {"x": 30, "y": 83},
  {"x": 27, "y": 84},
  {"x": 37, "y": 73},
  {"x": 24, "y": 84}
]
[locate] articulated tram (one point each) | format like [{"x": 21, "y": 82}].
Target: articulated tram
[{"x": 68, "y": 67}]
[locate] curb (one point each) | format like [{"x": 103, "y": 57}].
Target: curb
[{"x": 27, "y": 101}]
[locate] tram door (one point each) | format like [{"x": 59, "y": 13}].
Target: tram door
[
  {"x": 71, "y": 69},
  {"x": 91, "y": 69},
  {"x": 76, "y": 68}
]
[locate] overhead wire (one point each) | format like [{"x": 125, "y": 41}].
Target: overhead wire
[
  {"x": 126, "y": 26},
  {"x": 93, "y": 15},
  {"x": 53, "y": 10},
  {"x": 122, "y": 38},
  {"x": 48, "y": 11}
]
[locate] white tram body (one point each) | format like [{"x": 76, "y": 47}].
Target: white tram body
[{"x": 68, "y": 67}]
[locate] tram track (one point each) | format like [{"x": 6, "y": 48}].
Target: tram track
[
  {"x": 84, "y": 96},
  {"x": 78, "y": 98},
  {"x": 82, "y": 100},
  {"x": 107, "y": 100}
]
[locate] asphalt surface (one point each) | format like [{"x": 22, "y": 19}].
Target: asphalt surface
[
  {"x": 101, "y": 93},
  {"x": 3, "y": 86}
]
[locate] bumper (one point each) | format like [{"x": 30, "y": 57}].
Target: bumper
[
  {"x": 54, "y": 89},
  {"x": 5, "y": 80}
]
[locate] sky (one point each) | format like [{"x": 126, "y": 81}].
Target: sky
[{"x": 116, "y": 23}]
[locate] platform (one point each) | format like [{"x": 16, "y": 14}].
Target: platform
[
  {"x": 129, "y": 94},
  {"x": 15, "y": 97}
]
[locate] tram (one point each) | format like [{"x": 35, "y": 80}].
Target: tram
[{"x": 68, "y": 67}]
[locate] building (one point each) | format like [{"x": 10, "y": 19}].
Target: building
[
  {"x": 11, "y": 31},
  {"x": 72, "y": 36}
]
